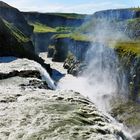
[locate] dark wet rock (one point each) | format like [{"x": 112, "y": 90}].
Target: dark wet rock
[
  {"x": 42, "y": 41},
  {"x": 61, "y": 51},
  {"x": 35, "y": 84},
  {"x": 51, "y": 51},
  {"x": 74, "y": 66},
  {"x": 68, "y": 45},
  {"x": 26, "y": 73}
]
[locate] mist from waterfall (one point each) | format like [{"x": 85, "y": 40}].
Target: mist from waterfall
[
  {"x": 103, "y": 75},
  {"x": 102, "y": 80}
]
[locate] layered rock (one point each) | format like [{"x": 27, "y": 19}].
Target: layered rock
[
  {"x": 42, "y": 41},
  {"x": 67, "y": 45},
  {"x": 118, "y": 14}
]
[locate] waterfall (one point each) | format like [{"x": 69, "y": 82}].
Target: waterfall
[
  {"x": 103, "y": 75},
  {"x": 46, "y": 77},
  {"x": 102, "y": 79}
]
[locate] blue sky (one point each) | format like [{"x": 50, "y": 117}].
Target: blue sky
[{"x": 76, "y": 6}]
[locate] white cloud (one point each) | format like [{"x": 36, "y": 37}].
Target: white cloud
[
  {"x": 30, "y": 5},
  {"x": 92, "y": 7}
]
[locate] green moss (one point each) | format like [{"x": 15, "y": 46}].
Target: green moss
[
  {"x": 40, "y": 28},
  {"x": 75, "y": 36},
  {"x": 65, "y": 29},
  {"x": 51, "y": 47},
  {"x": 16, "y": 32},
  {"x": 126, "y": 47}
]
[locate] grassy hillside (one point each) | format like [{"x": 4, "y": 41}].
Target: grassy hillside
[
  {"x": 132, "y": 47},
  {"x": 42, "y": 28},
  {"x": 75, "y": 36},
  {"x": 14, "y": 43},
  {"x": 21, "y": 37}
]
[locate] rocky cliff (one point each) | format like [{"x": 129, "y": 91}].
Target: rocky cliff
[
  {"x": 55, "y": 19},
  {"x": 14, "y": 16},
  {"x": 14, "y": 43},
  {"x": 66, "y": 46},
  {"x": 15, "y": 35},
  {"x": 42, "y": 41},
  {"x": 118, "y": 14},
  {"x": 48, "y": 24}
]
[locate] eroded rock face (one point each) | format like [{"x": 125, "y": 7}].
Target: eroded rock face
[
  {"x": 118, "y": 14},
  {"x": 62, "y": 46},
  {"x": 42, "y": 41}
]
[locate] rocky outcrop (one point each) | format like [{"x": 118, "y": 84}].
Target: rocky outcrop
[
  {"x": 67, "y": 45},
  {"x": 11, "y": 45},
  {"x": 74, "y": 66},
  {"x": 24, "y": 73},
  {"x": 42, "y": 41},
  {"x": 55, "y": 19}
]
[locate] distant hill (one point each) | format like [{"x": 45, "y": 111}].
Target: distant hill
[{"x": 55, "y": 19}]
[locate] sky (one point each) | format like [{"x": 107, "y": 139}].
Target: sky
[{"x": 71, "y": 6}]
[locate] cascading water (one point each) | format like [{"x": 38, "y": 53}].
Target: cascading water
[
  {"x": 46, "y": 77},
  {"x": 103, "y": 75},
  {"x": 102, "y": 79}
]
